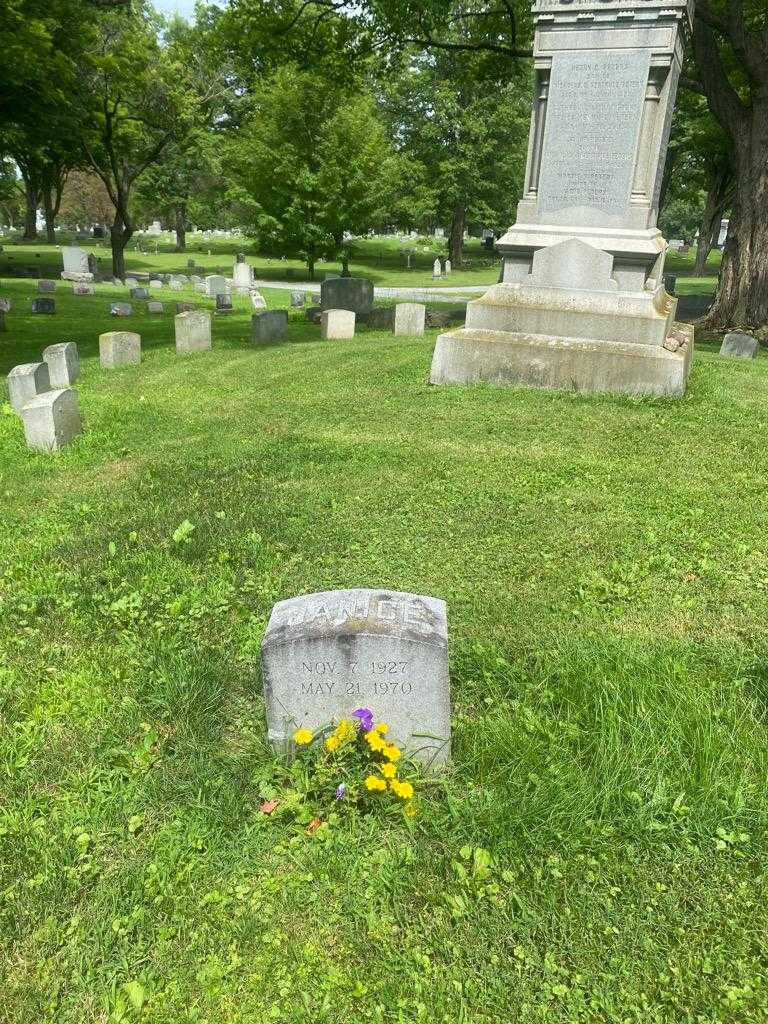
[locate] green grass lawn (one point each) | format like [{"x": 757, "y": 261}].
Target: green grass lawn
[{"x": 605, "y": 566}]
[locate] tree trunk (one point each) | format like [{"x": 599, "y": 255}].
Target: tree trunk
[
  {"x": 181, "y": 227},
  {"x": 119, "y": 236},
  {"x": 456, "y": 236},
  {"x": 31, "y": 196},
  {"x": 50, "y": 216},
  {"x": 709, "y": 229},
  {"x": 742, "y": 290},
  {"x": 311, "y": 267}
]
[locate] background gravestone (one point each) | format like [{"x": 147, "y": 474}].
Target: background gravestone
[
  {"x": 224, "y": 302},
  {"x": 326, "y": 654},
  {"x": 354, "y": 293},
  {"x": 52, "y": 420},
  {"x": 63, "y": 362},
  {"x": 121, "y": 309},
  {"x": 739, "y": 346},
  {"x": 269, "y": 326},
  {"x": 43, "y": 306},
  {"x": 25, "y": 382}
]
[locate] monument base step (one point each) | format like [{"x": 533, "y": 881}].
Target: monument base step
[{"x": 468, "y": 356}]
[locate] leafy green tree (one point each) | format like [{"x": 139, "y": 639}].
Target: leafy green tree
[{"x": 311, "y": 162}]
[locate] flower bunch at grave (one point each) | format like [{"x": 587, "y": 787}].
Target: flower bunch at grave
[{"x": 357, "y": 762}]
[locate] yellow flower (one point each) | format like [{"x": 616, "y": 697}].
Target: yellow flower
[
  {"x": 410, "y": 809},
  {"x": 389, "y": 771},
  {"x": 302, "y": 736},
  {"x": 374, "y": 783},
  {"x": 343, "y": 730},
  {"x": 391, "y": 752},
  {"x": 374, "y": 741},
  {"x": 382, "y": 728},
  {"x": 403, "y": 789},
  {"x": 332, "y": 743}
]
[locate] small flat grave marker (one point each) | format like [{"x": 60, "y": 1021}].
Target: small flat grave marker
[
  {"x": 121, "y": 309},
  {"x": 47, "y": 306},
  {"x": 739, "y": 346}
]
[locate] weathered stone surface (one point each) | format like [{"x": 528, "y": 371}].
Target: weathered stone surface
[
  {"x": 314, "y": 314},
  {"x": 572, "y": 264},
  {"x": 257, "y": 299},
  {"x": 269, "y": 326},
  {"x": 175, "y": 284},
  {"x": 739, "y": 346},
  {"x": 337, "y": 323},
  {"x": 52, "y": 420},
  {"x": 193, "y": 331},
  {"x": 242, "y": 275},
  {"x": 76, "y": 266},
  {"x": 121, "y": 309},
  {"x": 215, "y": 284},
  {"x": 380, "y": 318},
  {"x": 25, "y": 381},
  {"x": 139, "y": 293},
  {"x": 297, "y": 299},
  {"x": 155, "y": 283},
  {"x": 5, "y": 305},
  {"x": 47, "y": 306},
  {"x": 153, "y": 306},
  {"x": 436, "y": 269},
  {"x": 410, "y": 318},
  {"x": 63, "y": 364},
  {"x": 119, "y": 348},
  {"x": 83, "y": 288},
  {"x": 353, "y": 293},
  {"x": 325, "y": 655},
  {"x": 185, "y": 307},
  {"x": 46, "y": 286},
  {"x": 224, "y": 303}
]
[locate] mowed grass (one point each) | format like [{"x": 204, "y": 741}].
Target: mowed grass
[{"x": 605, "y": 566}]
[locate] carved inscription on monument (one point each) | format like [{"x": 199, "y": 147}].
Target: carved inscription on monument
[
  {"x": 326, "y": 654},
  {"x": 593, "y": 121}
]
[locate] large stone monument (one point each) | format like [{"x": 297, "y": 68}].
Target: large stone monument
[{"x": 582, "y": 302}]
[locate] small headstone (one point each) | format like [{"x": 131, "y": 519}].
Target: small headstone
[
  {"x": 354, "y": 293},
  {"x": 337, "y": 323},
  {"x": 739, "y": 346},
  {"x": 175, "y": 284},
  {"x": 83, "y": 288},
  {"x": 190, "y": 264},
  {"x": 154, "y": 306},
  {"x": 196, "y": 279},
  {"x": 46, "y": 286},
  {"x": 52, "y": 420},
  {"x": 43, "y": 306},
  {"x": 63, "y": 364},
  {"x": 25, "y": 381},
  {"x": 155, "y": 283},
  {"x": 314, "y": 314},
  {"x": 409, "y": 319},
  {"x": 139, "y": 293},
  {"x": 76, "y": 264},
  {"x": 297, "y": 300},
  {"x": 242, "y": 276},
  {"x": 5, "y": 305},
  {"x": 325, "y": 655},
  {"x": 118, "y": 283},
  {"x": 269, "y": 326},
  {"x": 257, "y": 299},
  {"x": 670, "y": 283},
  {"x": 119, "y": 348},
  {"x": 436, "y": 269},
  {"x": 380, "y": 318},
  {"x": 215, "y": 284},
  {"x": 224, "y": 303},
  {"x": 193, "y": 331},
  {"x": 121, "y": 309},
  {"x": 185, "y": 307},
  {"x": 447, "y": 267}
]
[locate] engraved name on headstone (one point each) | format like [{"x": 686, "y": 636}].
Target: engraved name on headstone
[
  {"x": 593, "y": 120},
  {"x": 326, "y": 654}
]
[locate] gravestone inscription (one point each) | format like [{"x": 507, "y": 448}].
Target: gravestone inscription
[{"x": 326, "y": 654}]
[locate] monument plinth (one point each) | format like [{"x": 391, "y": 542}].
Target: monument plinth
[{"x": 582, "y": 301}]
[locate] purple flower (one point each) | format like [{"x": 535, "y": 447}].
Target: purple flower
[
  {"x": 341, "y": 791},
  {"x": 366, "y": 718}
]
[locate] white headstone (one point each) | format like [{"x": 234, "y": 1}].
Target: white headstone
[
  {"x": 337, "y": 323},
  {"x": 257, "y": 299},
  {"x": 25, "y": 382},
  {"x": 193, "y": 331},
  {"x": 242, "y": 276},
  {"x": 447, "y": 267},
  {"x": 409, "y": 319},
  {"x": 215, "y": 285},
  {"x": 325, "y": 655},
  {"x": 436, "y": 269},
  {"x": 75, "y": 264},
  {"x": 119, "y": 348},
  {"x": 63, "y": 364},
  {"x": 52, "y": 420}
]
